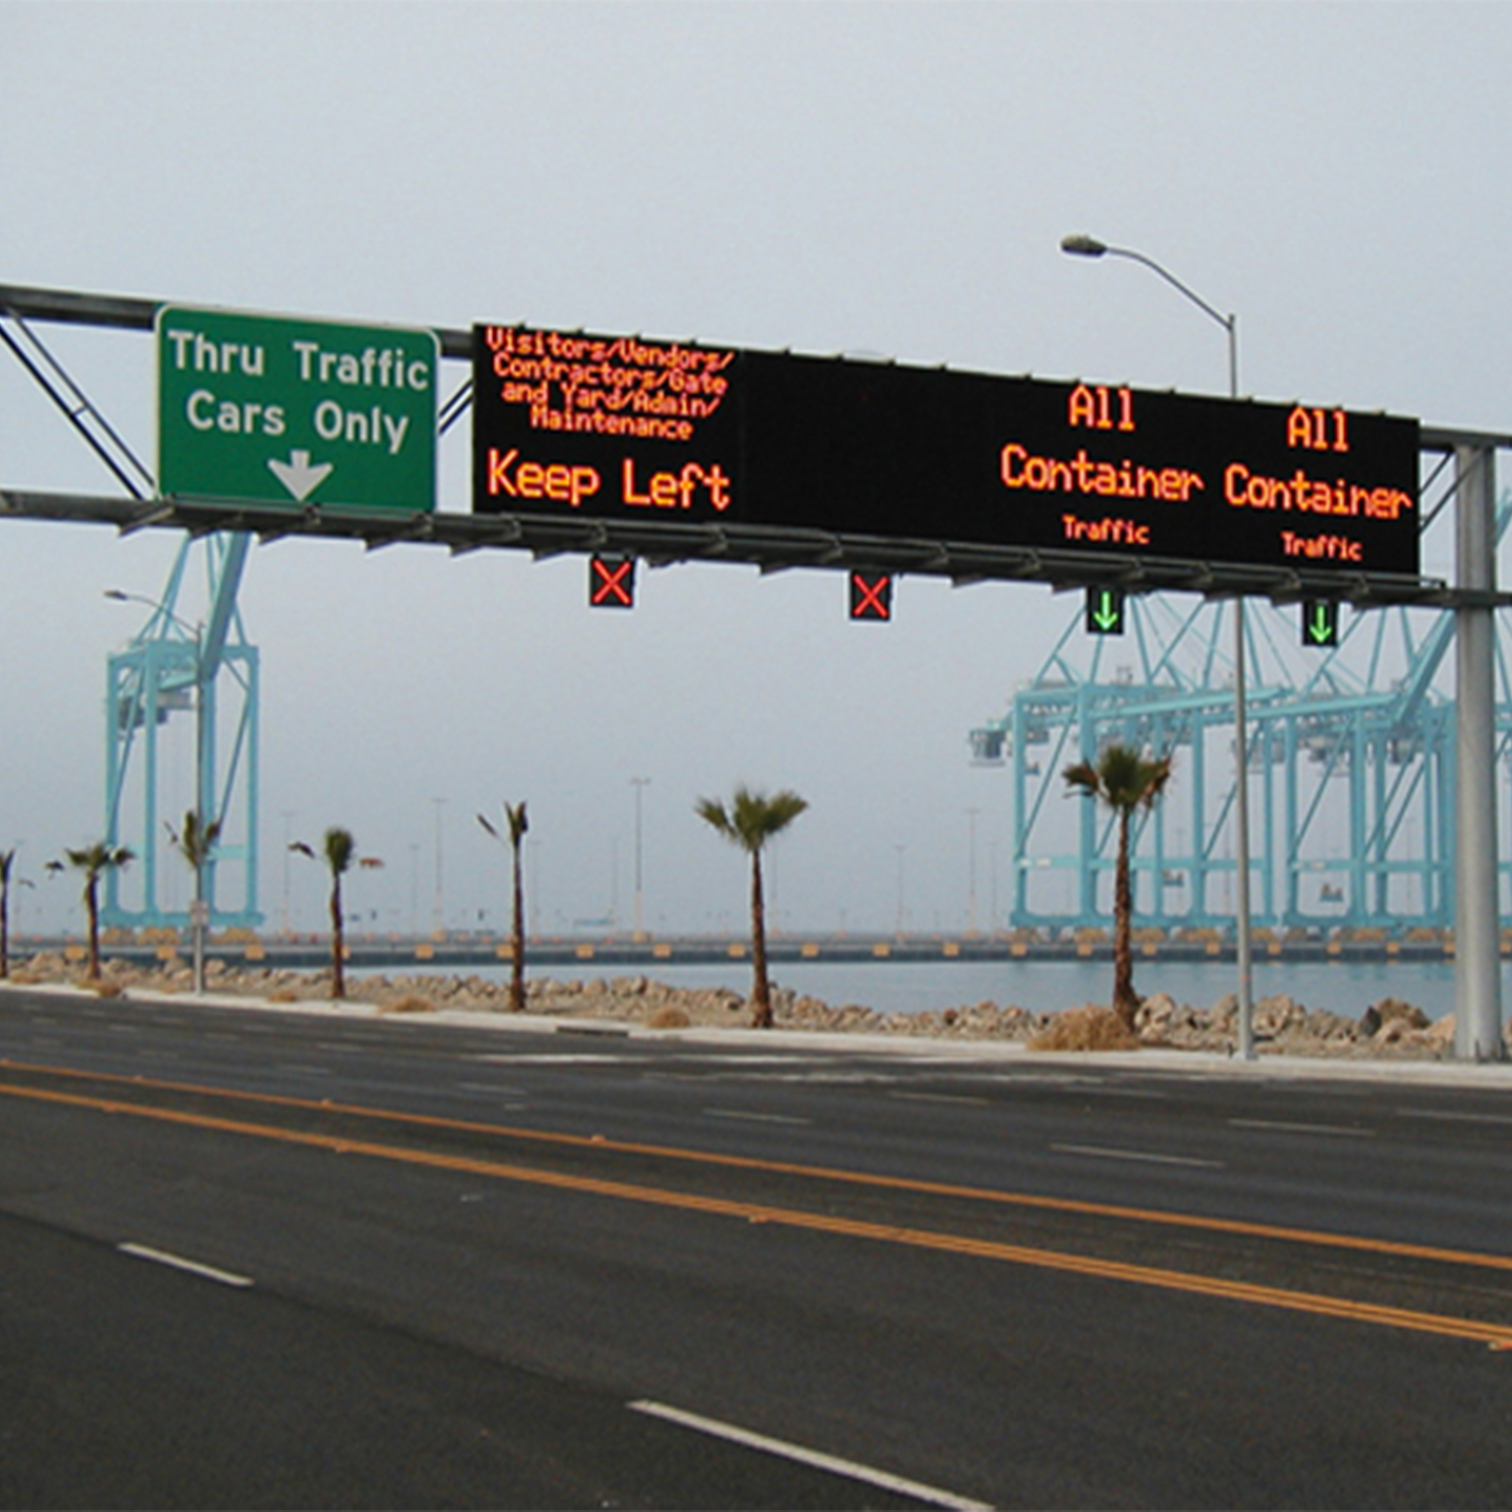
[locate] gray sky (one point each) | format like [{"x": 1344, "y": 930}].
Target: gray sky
[{"x": 829, "y": 178}]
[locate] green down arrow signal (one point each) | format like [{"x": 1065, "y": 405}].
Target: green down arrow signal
[
  {"x": 1322, "y": 624},
  {"x": 1104, "y": 611}
]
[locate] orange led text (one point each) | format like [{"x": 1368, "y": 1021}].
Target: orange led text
[
  {"x": 1241, "y": 487},
  {"x": 540, "y": 480},
  {"x": 608, "y": 386},
  {"x": 1093, "y": 407},
  {"x": 1318, "y": 430},
  {"x": 1081, "y": 474},
  {"x": 1333, "y": 548},
  {"x": 677, "y": 490},
  {"x": 1107, "y": 532}
]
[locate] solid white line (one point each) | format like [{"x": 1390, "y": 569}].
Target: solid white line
[
  {"x": 778, "y": 1118},
  {"x": 811, "y": 1457},
  {"x": 941, "y": 1097},
  {"x": 1181, "y": 1160},
  {"x": 1486, "y": 1118},
  {"x": 1301, "y": 1128},
  {"x": 162, "y": 1257}
]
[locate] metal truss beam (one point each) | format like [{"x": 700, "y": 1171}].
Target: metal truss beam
[{"x": 727, "y": 541}]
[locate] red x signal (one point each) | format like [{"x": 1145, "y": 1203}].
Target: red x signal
[
  {"x": 611, "y": 582},
  {"x": 871, "y": 596}
]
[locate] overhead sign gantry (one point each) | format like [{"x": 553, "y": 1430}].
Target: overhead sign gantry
[
  {"x": 669, "y": 451},
  {"x": 802, "y": 461}
]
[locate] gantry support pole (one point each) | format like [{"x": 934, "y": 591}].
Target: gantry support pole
[{"x": 1477, "y": 969}]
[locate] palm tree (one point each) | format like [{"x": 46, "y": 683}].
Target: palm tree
[
  {"x": 196, "y": 844},
  {"x": 93, "y": 860},
  {"x": 1125, "y": 780},
  {"x": 751, "y": 820},
  {"x": 338, "y": 850},
  {"x": 514, "y": 814}
]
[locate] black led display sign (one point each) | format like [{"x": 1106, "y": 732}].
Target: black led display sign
[{"x": 620, "y": 428}]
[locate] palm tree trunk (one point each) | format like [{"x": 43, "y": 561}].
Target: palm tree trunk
[
  {"x": 338, "y": 943},
  {"x": 761, "y": 992},
  {"x": 517, "y": 942},
  {"x": 5, "y": 930},
  {"x": 92, "y": 908},
  {"x": 199, "y": 924},
  {"x": 1125, "y": 1003}
]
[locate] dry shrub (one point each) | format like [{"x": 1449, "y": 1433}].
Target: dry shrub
[
  {"x": 411, "y": 1002},
  {"x": 670, "y": 1017},
  {"x": 24, "y": 978},
  {"x": 1089, "y": 1028},
  {"x": 283, "y": 995},
  {"x": 104, "y": 989}
]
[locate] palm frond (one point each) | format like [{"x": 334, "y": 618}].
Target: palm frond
[
  {"x": 340, "y": 849},
  {"x": 518, "y": 823},
  {"x": 712, "y": 812},
  {"x": 196, "y": 841},
  {"x": 1122, "y": 777},
  {"x": 752, "y": 818}
]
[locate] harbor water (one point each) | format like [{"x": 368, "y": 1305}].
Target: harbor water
[{"x": 1344, "y": 987}]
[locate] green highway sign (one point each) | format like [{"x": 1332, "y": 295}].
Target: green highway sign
[
  {"x": 1105, "y": 611},
  {"x": 278, "y": 410}
]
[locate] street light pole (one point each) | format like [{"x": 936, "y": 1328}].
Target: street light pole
[
  {"x": 439, "y": 921},
  {"x": 639, "y": 784},
  {"x": 1089, "y": 246},
  {"x": 971, "y": 887}
]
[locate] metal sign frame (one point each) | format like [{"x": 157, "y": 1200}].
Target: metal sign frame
[{"x": 662, "y": 543}]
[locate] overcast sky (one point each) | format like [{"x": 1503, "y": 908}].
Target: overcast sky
[{"x": 832, "y": 178}]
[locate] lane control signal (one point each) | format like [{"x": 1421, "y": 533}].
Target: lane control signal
[
  {"x": 871, "y": 595},
  {"x": 1105, "y": 611},
  {"x": 1320, "y": 623},
  {"x": 611, "y": 582}
]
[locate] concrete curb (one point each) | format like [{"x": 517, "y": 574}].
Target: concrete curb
[{"x": 1191, "y": 1063}]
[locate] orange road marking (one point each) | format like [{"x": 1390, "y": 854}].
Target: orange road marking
[
  {"x": 1236, "y": 1226},
  {"x": 1265, "y": 1296}
]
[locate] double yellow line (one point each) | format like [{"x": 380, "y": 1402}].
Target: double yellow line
[{"x": 1497, "y": 1336}]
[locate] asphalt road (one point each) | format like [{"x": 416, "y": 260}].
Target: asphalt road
[{"x": 459, "y": 1266}]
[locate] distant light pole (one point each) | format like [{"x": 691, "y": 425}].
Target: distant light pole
[
  {"x": 971, "y": 892},
  {"x": 900, "y": 849},
  {"x": 199, "y": 912},
  {"x": 439, "y": 924},
  {"x": 1089, "y": 246},
  {"x": 639, "y": 783},
  {"x": 286, "y": 815}
]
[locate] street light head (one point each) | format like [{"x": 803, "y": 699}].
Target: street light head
[
  {"x": 117, "y": 595},
  {"x": 1082, "y": 245}
]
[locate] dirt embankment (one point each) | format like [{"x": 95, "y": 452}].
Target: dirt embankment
[{"x": 1282, "y": 1024}]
